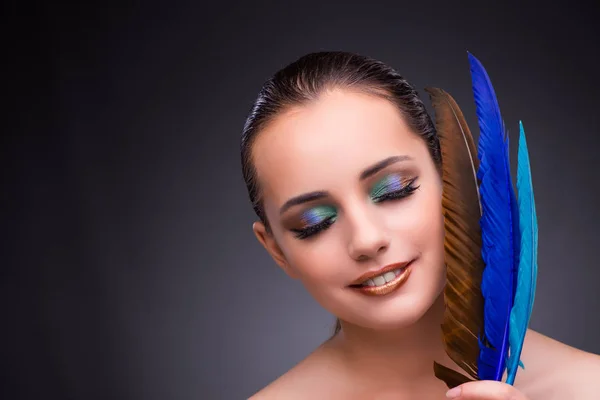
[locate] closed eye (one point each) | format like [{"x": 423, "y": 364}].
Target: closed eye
[
  {"x": 314, "y": 229},
  {"x": 315, "y": 220},
  {"x": 392, "y": 188}
]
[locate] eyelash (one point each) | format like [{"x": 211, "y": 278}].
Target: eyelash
[
  {"x": 405, "y": 191},
  {"x": 311, "y": 230},
  {"x": 314, "y": 229}
]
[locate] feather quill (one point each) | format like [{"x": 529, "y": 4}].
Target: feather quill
[
  {"x": 498, "y": 203},
  {"x": 463, "y": 317},
  {"x": 527, "y": 272}
]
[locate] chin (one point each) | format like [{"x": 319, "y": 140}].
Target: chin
[{"x": 404, "y": 312}]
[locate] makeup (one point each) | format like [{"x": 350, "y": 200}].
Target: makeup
[
  {"x": 383, "y": 281},
  {"x": 315, "y": 220},
  {"x": 392, "y": 187}
]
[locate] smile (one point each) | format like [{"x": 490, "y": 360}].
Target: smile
[{"x": 383, "y": 281}]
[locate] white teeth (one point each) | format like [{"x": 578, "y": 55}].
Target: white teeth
[
  {"x": 379, "y": 280},
  {"x": 384, "y": 278},
  {"x": 389, "y": 276}
]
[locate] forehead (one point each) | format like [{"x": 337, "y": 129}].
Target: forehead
[{"x": 327, "y": 143}]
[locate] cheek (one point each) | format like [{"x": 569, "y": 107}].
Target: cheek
[
  {"x": 420, "y": 221},
  {"x": 315, "y": 262}
]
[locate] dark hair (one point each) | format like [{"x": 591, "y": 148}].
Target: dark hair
[{"x": 306, "y": 79}]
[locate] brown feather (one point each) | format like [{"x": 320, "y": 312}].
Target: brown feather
[
  {"x": 451, "y": 377},
  {"x": 463, "y": 317}
]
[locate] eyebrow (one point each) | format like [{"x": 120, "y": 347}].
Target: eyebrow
[{"x": 370, "y": 171}]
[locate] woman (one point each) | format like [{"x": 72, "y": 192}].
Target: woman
[{"x": 342, "y": 165}]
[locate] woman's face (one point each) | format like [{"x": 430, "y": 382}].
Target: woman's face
[{"x": 337, "y": 212}]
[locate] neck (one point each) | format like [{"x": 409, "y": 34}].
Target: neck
[{"x": 403, "y": 356}]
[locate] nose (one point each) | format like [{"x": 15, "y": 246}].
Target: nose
[{"x": 369, "y": 237}]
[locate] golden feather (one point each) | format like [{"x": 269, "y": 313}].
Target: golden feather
[{"x": 463, "y": 316}]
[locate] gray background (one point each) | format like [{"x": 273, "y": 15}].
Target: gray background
[{"x": 130, "y": 269}]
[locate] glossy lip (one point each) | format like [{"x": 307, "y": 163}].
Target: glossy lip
[
  {"x": 372, "y": 274},
  {"x": 389, "y": 287}
]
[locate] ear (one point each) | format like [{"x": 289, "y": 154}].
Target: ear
[{"x": 267, "y": 240}]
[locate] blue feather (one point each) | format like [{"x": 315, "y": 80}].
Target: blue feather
[
  {"x": 527, "y": 271},
  {"x": 498, "y": 203}
]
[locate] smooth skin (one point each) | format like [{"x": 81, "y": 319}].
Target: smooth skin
[{"x": 387, "y": 344}]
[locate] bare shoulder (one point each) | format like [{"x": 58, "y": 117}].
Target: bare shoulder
[
  {"x": 317, "y": 376},
  {"x": 555, "y": 370}
]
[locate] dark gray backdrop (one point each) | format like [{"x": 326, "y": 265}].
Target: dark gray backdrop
[{"x": 130, "y": 269}]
